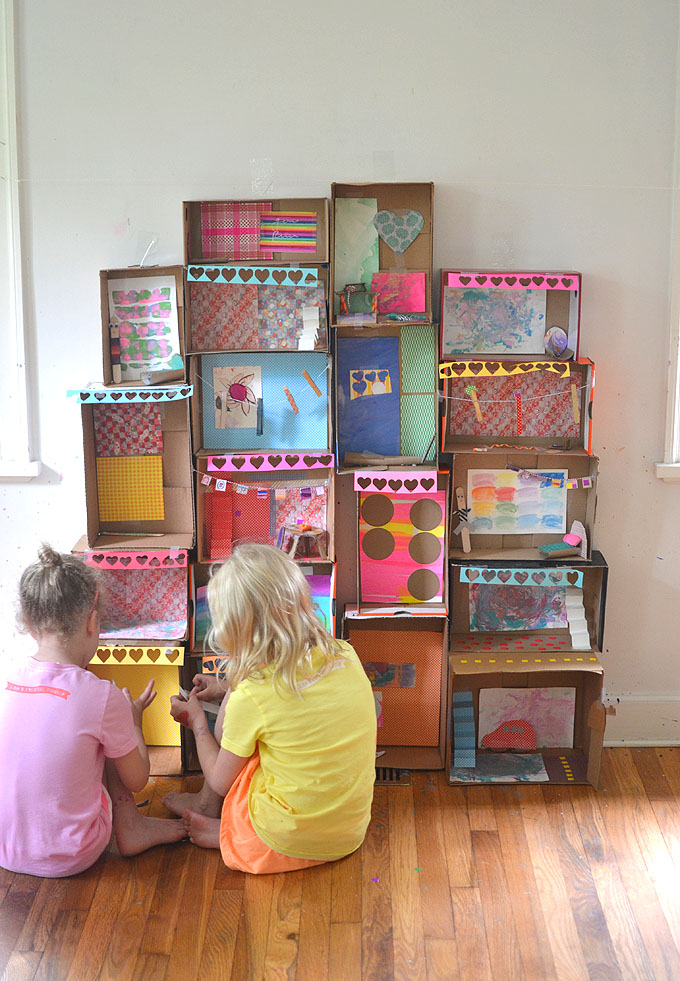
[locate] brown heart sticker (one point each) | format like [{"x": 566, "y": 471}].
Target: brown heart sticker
[
  {"x": 521, "y": 577},
  {"x": 410, "y": 485},
  {"x": 246, "y": 274},
  {"x": 465, "y": 280},
  {"x": 560, "y": 368},
  {"x": 511, "y": 280},
  {"x": 363, "y": 482},
  {"x": 196, "y": 271},
  {"x": 237, "y": 461},
  {"x": 427, "y": 483},
  {"x": 115, "y": 396},
  {"x": 278, "y": 275},
  {"x": 262, "y": 275},
  {"x": 488, "y": 574},
  {"x": 496, "y": 280},
  {"x": 526, "y": 367},
  {"x": 153, "y": 654},
  {"x": 572, "y": 577},
  {"x": 125, "y": 561},
  {"x": 119, "y": 654},
  {"x": 218, "y": 461},
  {"x": 504, "y": 576},
  {"x": 172, "y": 656},
  {"x": 136, "y": 654},
  {"x": 102, "y": 654},
  {"x": 309, "y": 461},
  {"x": 98, "y": 558},
  {"x": 538, "y": 577},
  {"x": 229, "y": 274},
  {"x": 457, "y": 367},
  {"x": 144, "y": 396},
  {"x": 472, "y": 575},
  {"x": 295, "y": 275},
  {"x": 274, "y": 460},
  {"x": 257, "y": 461},
  {"x": 395, "y": 484},
  {"x": 292, "y": 460},
  {"x": 380, "y": 483},
  {"x": 212, "y": 274},
  {"x": 551, "y": 282}
]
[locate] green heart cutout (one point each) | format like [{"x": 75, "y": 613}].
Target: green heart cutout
[{"x": 398, "y": 231}]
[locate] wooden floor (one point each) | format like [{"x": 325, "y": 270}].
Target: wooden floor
[{"x": 526, "y": 882}]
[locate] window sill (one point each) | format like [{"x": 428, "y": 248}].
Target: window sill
[
  {"x": 20, "y": 469},
  {"x": 668, "y": 471}
]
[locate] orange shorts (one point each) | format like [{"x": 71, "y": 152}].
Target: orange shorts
[{"x": 240, "y": 845}]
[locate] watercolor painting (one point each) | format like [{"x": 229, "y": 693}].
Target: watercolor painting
[
  {"x": 237, "y": 391},
  {"x": 399, "y": 292},
  {"x": 498, "y": 608},
  {"x": 503, "y": 502},
  {"x": 503, "y": 768},
  {"x": 490, "y": 321},
  {"x": 145, "y": 312},
  {"x": 549, "y": 710},
  {"x": 356, "y": 242}
]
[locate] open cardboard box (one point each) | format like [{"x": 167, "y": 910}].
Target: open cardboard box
[
  {"x": 581, "y": 501},
  {"x": 236, "y": 308},
  {"x": 295, "y": 415},
  {"x": 264, "y": 505},
  {"x": 201, "y": 216},
  {"x": 176, "y": 528},
  {"x": 528, "y": 404},
  {"x": 406, "y": 657},
  {"x": 521, "y": 306},
  {"x": 386, "y": 400},
  {"x": 578, "y": 763},
  {"x": 401, "y": 199},
  {"x": 162, "y": 275}
]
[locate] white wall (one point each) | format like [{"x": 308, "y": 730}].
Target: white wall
[{"x": 547, "y": 128}]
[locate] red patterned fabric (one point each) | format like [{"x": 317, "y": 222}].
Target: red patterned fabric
[
  {"x": 128, "y": 430},
  {"x": 231, "y": 230},
  {"x": 223, "y": 317},
  {"x": 546, "y": 406}
]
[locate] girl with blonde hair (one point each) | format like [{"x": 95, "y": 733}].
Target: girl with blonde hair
[{"x": 293, "y": 753}]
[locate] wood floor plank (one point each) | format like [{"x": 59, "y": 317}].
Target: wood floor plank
[
  {"x": 435, "y": 895},
  {"x": 58, "y": 953},
  {"x": 441, "y": 959},
  {"x": 481, "y": 813},
  {"x": 661, "y": 797},
  {"x": 15, "y": 909},
  {"x": 344, "y": 962},
  {"x": 165, "y": 910},
  {"x": 457, "y": 835},
  {"x": 253, "y": 929},
  {"x": 315, "y": 922},
  {"x": 6, "y": 879},
  {"x": 346, "y": 889},
  {"x": 22, "y": 965},
  {"x": 532, "y": 931},
  {"x": 377, "y": 953},
  {"x": 563, "y": 935},
  {"x": 151, "y": 967},
  {"x": 220, "y": 935},
  {"x": 501, "y": 935},
  {"x": 194, "y": 903},
  {"x": 284, "y": 926},
  {"x": 471, "y": 942},
  {"x": 407, "y": 913}
]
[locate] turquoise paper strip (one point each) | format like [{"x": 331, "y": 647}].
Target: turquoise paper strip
[
  {"x": 93, "y": 396},
  {"x": 253, "y": 275}
]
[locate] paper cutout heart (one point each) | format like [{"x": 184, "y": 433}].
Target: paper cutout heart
[
  {"x": 197, "y": 271},
  {"x": 154, "y": 562},
  {"x": 237, "y": 461},
  {"x": 262, "y": 275},
  {"x": 153, "y": 654},
  {"x": 410, "y": 485},
  {"x": 136, "y": 654},
  {"x": 98, "y": 558},
  {"x": 295, "y": 276},
  {"x": 103, "y": 655},
  {"x": 212, "y": 274},
  {"x": 278, "y": 275},
  {"x": 309, "y": 461},
  {"x": 427, "y": 482},
  {"x": 326, "y": 460},
  {"x": 395, "y": 484},
  {"x": 292, "y": 460},
  {"x": 360, "y": 387},
  {"x": 125, "y": 561},
  {"x": 370, "y": 376},
  {"x": 257, "y": 461},
  {"x": 380, "y": 483},
  {"x": 274, "y": 460},
  {"x": 218, "y": 462},
  {"x": 116, "y": 395},
  {"x": 363, "y": 482},
  {"x": 504, "y": 576},
  {"x": 398, "y": 231},
  {"x": 119, "y": 654},
  {"x": 229, "y": 274}
]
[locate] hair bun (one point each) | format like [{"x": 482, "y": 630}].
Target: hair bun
[{"x": 48, "y": 557}]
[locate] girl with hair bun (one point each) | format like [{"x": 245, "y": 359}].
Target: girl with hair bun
[{"x": 71, "y": 744}]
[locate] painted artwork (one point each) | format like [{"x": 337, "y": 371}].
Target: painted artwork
[
  {"x": 356, "y": 242},
  {"x": 145, "y": 605},
  {"x": 502, "y": 768},
  {"x": 499, "y": 608},
  {"x": 546, "y": 399},
  {"x": 503, "y": 502},
  {"x": 491, "y": 321},
  {"x": 236, "y": 394},
  {"x": 368, "y": 425},
  {"x": 401, "y": 548},
  {"x": 399, "y": 292},
  {"x": 363, "y": 382},
  {"x": 550, "y": 711},
  {"x": 144, "y": 310}
]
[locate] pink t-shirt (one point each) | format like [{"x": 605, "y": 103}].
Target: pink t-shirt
[{"x": 57, "y": 723}]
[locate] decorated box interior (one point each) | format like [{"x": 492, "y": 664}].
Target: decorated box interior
[
  {"x": 261, "y": 402},
  {"x": 271, "y": 230},
  {"x": 518, "y": 501},
  {"x": 142, "y": 312},
  {"x": 137, "y": 455},
  {"x": 247, "y": 308},
  {"x": 381, "y": 241},
  {"x": 530, "y": 404},
  {"x": 402, "y": 542},
  {"x": 264, "y": 499},
  {"x": 526, "y": 609},
  {"x": 405, "y": 659},
  {"x": 506, "y": 314},
  {"x": 386, "y": 396},
  {"x": 516, "y": 719}
]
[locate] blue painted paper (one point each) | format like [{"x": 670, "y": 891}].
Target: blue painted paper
[{"x": 371, "y": 424}]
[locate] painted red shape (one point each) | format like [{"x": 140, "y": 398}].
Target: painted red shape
[{"x": 515, "y": 734}]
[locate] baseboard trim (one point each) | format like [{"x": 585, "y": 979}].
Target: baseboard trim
[{"x": 651, "y": 719}]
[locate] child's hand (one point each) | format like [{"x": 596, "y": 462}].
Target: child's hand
[
  {"x": 207, "y": 689},
  {"x": 137, "y": 705},
  {"x": 187, "y": 713}
]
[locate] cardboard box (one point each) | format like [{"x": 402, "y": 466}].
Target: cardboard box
[
  {"x": 569, "y": 764},
  {"x": 169, "y": 278},
  {"x": 581, "y": 500},
  {"x": 282, "y": 397},
  {"x": 527, "y": 404},
  {"x": 401, "y": 545},
  {"x": 492, "y": 313},
  {"x": 266, "y": 505},
  {"x": 560, "y": 605},
  {"x": 406, "y": 659},
  {"x": 287, "y": 311},
  {"x": 402, "y": 213},
  {"x": 386, "y": 399},
  {"x": 239, "y": 221},
  {"x": 176, "y": 528}
]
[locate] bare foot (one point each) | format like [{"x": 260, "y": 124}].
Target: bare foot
[
  {"x": 202, "y": 830},
  {"x": 204, "y": 802},
  {"x": 135, "y": 836}
]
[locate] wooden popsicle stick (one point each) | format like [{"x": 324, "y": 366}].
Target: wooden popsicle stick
[{"x": 464, "y": 532}]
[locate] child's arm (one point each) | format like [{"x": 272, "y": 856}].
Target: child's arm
[
  {"x": 220, "y": 767},
  {"x": 133, "y": 769}
]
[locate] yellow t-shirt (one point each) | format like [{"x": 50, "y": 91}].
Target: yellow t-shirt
[{"x": 311, "y": 795}]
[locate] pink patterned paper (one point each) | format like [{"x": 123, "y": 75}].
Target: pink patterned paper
[
  {"x": 231, "y": 230},
  {"x": 546, "y": 406},
  {"x": 150, "y": 604},
  {"x": 399, "y": 292},
  {"x": 223, "y": 317},
  {"x": 258, "y": 463},
  {"x": 128, "y": 430}
]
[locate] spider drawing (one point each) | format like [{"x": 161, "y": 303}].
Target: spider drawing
[{"x": 238, "y": 393}]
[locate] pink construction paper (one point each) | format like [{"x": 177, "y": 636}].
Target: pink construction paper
[
  {"x": 399, "y": 292},
  {"x": 259, "y": 462},
  {"x": 161, "y": 558}
]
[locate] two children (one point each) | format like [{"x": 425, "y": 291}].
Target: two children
[{"x": 293, "y": 757}]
